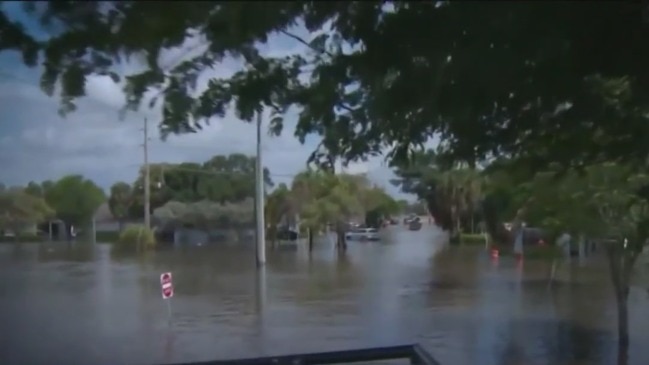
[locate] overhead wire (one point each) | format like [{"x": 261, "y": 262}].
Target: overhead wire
[
  {"x": 166, "y": 166},
  {"x": 139, "y": 145},
  {"x": 157, "y": 142}
]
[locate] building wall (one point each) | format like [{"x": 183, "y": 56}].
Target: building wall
[
  {"x": 190, "y": 236},
  {"x": 113, "y": 226},
  {"x": 107, "y": 227}
]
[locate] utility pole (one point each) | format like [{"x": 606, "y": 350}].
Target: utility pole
[
  {"x": 147, "y": 180},
  {"x": 259, "y": 199}
]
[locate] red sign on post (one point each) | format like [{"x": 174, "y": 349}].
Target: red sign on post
[{"x": 167, "y": 285}]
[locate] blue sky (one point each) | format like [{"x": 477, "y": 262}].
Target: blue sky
[{"x": 36, "y": 144}]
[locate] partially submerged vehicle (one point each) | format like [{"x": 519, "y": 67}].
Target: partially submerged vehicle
[
  {"x": 362, "y": 234},
  {"x": 415, "y": 225},
  {"x": 410, "y": 218}
]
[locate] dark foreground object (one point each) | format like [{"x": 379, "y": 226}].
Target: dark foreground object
[{"x": 415, "y": 353}]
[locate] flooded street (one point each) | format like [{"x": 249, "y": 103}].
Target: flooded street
[{"x": 81, "y": 304}]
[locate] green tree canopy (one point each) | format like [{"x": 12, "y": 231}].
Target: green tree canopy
[
  {"x": 454, "y": 193},
  {"x": 603, "y": 201},
  {"x": 120, "y": 200},
  {"x": 279, "y": 203},
  {"x": 489, "y": 78},
  {"x": 324, "y": 198},
  {"x": 19, "y": 210},
  {"x": 75, "y": 199},
  {"x": 34, "y": 189},
  {"x": 223, "y": 179}
]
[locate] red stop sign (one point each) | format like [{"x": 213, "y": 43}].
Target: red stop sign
[{"x": 167, "y": 285}]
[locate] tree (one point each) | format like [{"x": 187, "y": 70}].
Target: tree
[
  {"x": 46, "y": 186},
  {"x": 20, "y": 210},
  {"x": 120, "y": 201},
  {"x": 528, "y": 83},
  {"x": 160, "y": 192},
  {"x": 279, "y": 204},
  {"x": 606, "y": 202},
  {"x": 575, "y": 96},
  {"x": 34, "y": 189},
  {"x": 453, "y": 192},
  {"x": 75, "y": 199},
  {"x": 223, "y": 179},
  {"x": 378, "y": 205},
  {"x": 323, "y": 198},
  {"x": 506, "y": 190},
  {"x": 236, "y": 169}
]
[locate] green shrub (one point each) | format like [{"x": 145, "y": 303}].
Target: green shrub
[
  {"x": 137, "y": 237},
  {"x": 473, "y": 239}
]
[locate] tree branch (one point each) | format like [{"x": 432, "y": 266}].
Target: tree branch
[{"x": 301, "y": 40}]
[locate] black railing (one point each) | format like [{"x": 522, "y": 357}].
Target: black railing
[{"x": 414, "y": 353}]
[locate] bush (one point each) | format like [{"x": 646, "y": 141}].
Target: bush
[
  {"x": 137, "y": 236},
  {"x": 474, "y": 239}
]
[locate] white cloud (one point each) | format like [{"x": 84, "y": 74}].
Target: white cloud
[
  {"x": 104, "y": 90},
  {"x": 36, "y": 144}
]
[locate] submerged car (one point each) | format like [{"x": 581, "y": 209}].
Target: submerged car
[
  {"x": 414, "y": 225},
  {"x": 362, "y": 234}
]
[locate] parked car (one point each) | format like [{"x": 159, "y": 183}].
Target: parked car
[
  {"x": 415, "y": 225},
  {"x": 410, "y": 218},
  {"x": 362, "y": 234}
]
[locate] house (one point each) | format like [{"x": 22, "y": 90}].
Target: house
[{"x": 53, "y": 230}]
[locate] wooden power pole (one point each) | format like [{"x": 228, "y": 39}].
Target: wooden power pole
[{"x": 147, "y": 177}]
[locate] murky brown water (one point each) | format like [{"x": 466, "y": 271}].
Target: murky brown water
[{"x": 80, "y": 304}]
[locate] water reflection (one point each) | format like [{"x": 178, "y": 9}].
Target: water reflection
[
  {"x": 64, "y": 252},
  {"x": 79, "y": 303}
]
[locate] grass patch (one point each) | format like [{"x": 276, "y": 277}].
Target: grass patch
[{"x": 472, "y": 239}]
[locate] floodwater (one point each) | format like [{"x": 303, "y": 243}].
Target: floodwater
[{"x": 82, "y": 304}]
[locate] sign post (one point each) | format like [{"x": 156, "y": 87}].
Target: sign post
[{"x": 167, "y": 290}]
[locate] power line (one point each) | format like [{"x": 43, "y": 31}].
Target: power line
[
  {"x": 156, "y": 142},
  {"x": 165, "y": 166}
]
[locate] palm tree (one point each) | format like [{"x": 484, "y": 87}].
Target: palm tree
[{"x": 454, "y": 196}]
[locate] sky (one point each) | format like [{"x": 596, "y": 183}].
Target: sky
[{"x": 37, "y": 144}]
